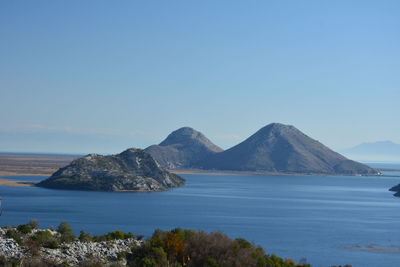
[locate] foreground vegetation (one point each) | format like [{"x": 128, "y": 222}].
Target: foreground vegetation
[{"x": 174, "y": 248}]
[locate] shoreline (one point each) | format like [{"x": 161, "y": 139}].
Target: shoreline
[
  {"x": 266, "y": 173},
  {"x": 7, "y": 182}
]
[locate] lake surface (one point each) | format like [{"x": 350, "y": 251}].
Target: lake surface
[{"x": 327, "y": 220}]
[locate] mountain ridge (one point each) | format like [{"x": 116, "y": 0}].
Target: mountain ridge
[{"x": 276, "y": 148}]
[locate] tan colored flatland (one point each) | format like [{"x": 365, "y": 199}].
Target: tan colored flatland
[
  {"x": 216, "y": 172},
  {"x": 15, "y": 183},
  {"x": 204, "y": 172},
  {"x": 32, "y": 165}
]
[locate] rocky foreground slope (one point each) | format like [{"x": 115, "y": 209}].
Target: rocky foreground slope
[
  {"x": 27, "y": 246},
  {"x": 131, "y": 170},
  {"x": 183, "y": 148},
  {"x": 68, "y": 253}
]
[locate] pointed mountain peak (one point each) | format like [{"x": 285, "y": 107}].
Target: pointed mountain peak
[{"x": 283, "y": 148}]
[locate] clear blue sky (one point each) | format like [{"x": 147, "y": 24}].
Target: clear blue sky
[{"x": 101, "y": 76}]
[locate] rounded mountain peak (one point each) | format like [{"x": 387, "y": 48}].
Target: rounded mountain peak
[
  {"x": 188, "y": 136},
  {"x": 276, "y": 128},
  {"x": 277, "y": 125}
]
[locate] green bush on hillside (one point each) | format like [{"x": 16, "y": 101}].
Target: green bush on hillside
[
  {"x": 24, "y": 228},
  {"x": 115, "y": 235},
  {"x": 66, "y": 233},
  {"x": 46, "y": 239}
]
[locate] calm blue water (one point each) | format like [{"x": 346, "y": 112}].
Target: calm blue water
[{"x": 296, "y": 217}]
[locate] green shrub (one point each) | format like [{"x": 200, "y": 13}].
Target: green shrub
[
  {"x": 85, "y": 237},
  {"x": 242, "y": 243},
  {"x": 46, "y": 239},
  {"x": 11, "y": 233},
  {"x": 121, "y": 255},
  {"x": 65, "y": 230},
  {"x": 24, "y": 228},
  {"x": 115, "y": 235}
]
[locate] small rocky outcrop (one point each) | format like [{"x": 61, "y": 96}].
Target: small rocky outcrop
[
  {"x": 131, "y": 170},
  {"x": 183, "y": 148},
  {"x": 10, "y": 249},
  {"x": 396, "y": 189},
  {"x": 76, "y": 252}
]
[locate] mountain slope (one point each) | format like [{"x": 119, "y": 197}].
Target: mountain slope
[
  {"x": 283, "y": 148},
  {"x": 131, "y": 170},
  {"x": 183, "y": 148}
]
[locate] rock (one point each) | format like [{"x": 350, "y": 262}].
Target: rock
[
  {"x": 71, "y": 253},
  {"x": 396, "y": 189},
  {"x": 131, "y": 170},
  {"x": 9, "y": 248},
  {"x": 76, "y": 252}
]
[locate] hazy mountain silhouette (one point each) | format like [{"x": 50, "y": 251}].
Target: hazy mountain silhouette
[
  {"x": 283, "y": 148},
  {"x": 378, "y": 151},
  {"x": 183, "y": 148}
]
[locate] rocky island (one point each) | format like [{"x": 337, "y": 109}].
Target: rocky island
[
  {"x": 131, "y": 170},
  {"x": 396, "y": 189}
]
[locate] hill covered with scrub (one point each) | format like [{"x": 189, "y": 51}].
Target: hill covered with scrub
[{"x": 26, "y": 245}]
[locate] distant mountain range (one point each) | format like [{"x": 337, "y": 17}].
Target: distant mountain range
[
  {"x": 274, "y": 148},
  {"x": 376, "y": 151}
]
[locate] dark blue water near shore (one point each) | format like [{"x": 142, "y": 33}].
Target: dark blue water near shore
[{"x": 328, "y": 220}]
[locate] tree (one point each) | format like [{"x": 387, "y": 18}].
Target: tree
[{"x": 65, "y": 230}]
